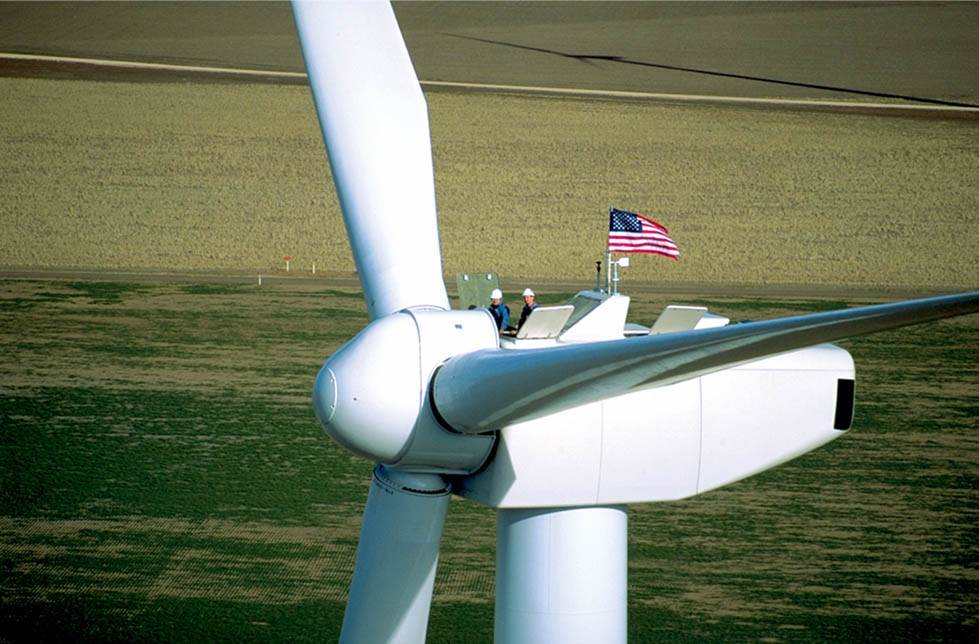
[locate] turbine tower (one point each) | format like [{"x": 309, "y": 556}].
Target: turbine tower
[{"x": 552, "y": 430}]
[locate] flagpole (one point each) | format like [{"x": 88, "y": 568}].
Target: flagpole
[
  {"x": 608, "y": 259},
  {"x": 608, "y": 271}
]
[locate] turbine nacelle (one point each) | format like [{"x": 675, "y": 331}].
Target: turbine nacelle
[
  {"x": 675, "y": 441},
  {"x": 372, "y": 396}
]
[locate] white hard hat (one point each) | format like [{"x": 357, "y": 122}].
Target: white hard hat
[
  {"x": 497, "y": 294},
  {"x": 528, "y": 292}
]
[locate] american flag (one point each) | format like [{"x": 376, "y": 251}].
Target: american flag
[{"x": 632, "y": 233}]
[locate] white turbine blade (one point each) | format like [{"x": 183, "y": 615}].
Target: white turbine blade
[
  {"x": 375, "y": 125},
  {"x": 391, "y": 591},
  {"x": 488, "y": 389}
]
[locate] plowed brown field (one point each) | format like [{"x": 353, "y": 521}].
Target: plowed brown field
[{"x": 234, "y": 177}]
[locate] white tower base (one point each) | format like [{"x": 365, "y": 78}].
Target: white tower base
[{"x": 561, "y": 575}]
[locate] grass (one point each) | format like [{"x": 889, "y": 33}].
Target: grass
[{"x": 164, "y": 479}]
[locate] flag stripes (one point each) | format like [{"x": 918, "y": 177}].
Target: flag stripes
[{"x": 632, "y": 233}]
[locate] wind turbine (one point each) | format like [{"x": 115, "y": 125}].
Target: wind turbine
[{"x": 555, "y": 433}]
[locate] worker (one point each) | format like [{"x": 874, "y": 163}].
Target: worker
[
  {"x": 529, "y": 305},
  {"x": 499, "y": 310}
]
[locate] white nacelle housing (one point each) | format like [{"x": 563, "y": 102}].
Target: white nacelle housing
[{"x": 675, "y": 441}]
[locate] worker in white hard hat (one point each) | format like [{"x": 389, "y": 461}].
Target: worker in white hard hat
[
  {"x": 529, "y": 304},
  {"x": 499, "y": 310}
]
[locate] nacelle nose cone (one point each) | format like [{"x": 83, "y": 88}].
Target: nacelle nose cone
[
  {"x": 325, "y": 395},
  {"x": 368, "y": 394}
]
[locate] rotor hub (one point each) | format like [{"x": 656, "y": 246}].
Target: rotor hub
[{"x": 371, "y": 396}]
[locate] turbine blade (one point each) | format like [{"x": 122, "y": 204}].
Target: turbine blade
[
  {"x": 492, "y": 388},
  {"x": 375, "y": 126},
  {"x": 391, "y": 590}
]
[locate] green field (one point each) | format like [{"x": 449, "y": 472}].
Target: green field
[{"x": 164, "y": 479}]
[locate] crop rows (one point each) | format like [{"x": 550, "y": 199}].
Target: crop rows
[{"x": 234, "y": 177}]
